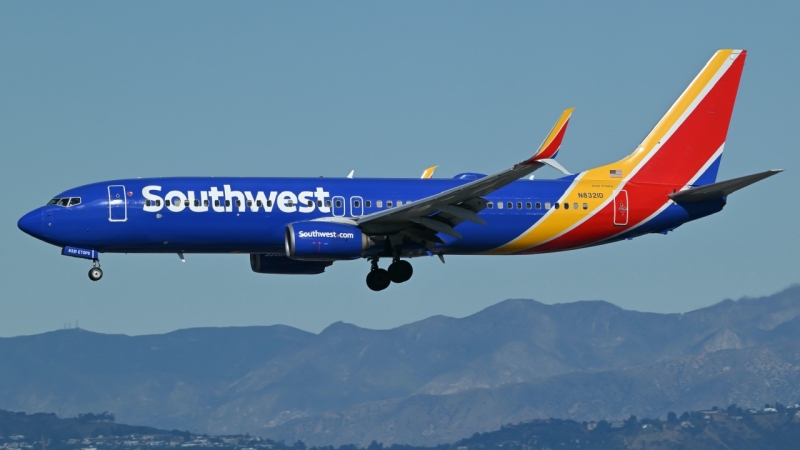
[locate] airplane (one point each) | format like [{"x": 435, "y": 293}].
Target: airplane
[{"x": 303, "y": 225}]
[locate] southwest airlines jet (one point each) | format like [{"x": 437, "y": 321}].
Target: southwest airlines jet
[{"x": 303, "y": 225}]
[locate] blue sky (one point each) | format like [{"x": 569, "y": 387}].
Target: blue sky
[{"x": 96, "y": 91}]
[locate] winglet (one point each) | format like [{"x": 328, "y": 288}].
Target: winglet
[
  {"x": 552, "y": 143},
  {"x": 428, "y": 173}
]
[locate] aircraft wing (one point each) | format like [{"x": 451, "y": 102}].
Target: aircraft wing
[
  {"x": 720, "y": 188},
  {"x": 439, "y": 213}
]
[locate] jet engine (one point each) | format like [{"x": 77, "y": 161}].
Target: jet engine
[{"x": 325, "y": 241}]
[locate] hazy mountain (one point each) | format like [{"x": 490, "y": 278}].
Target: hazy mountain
[{"x": 431, "y": 381}]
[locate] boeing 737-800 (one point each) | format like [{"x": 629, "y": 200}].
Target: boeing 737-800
[{"x": 303, "y": 225}]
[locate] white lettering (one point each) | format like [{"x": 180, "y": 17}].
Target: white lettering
[
  {"x": 175, "y": 205},
  {"x": 304, "y": 202},
  {"x": 202, "y": 205},
  {"x": 229, "y": 199},
  {"x": 155, "y": 201},
  {"x": 287, "y": 201},
  {"x": 321, "y": 195},
  {"x": 215, "y": 195}
]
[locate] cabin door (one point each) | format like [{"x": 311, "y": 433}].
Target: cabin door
[
  {"x": 621, "y": 208},
  {"x": 117, "y": 204}
]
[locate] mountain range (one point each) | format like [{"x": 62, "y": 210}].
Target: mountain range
[{"x": 433, "y": 381}]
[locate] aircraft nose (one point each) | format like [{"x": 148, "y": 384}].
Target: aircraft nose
[{"x": 31, "y": 223}]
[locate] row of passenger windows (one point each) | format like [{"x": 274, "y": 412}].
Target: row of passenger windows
[
  {"x": 259, "y": 203},
  {"x": 338, "y": 203},
  {"x": 538, "y": 205},
  {"x": 71, "y": 201}
]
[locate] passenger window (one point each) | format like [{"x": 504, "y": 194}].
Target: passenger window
[
  {"x": 205, "y": 203},
  {"x": 290, "y": 203},
  {"x": 489, "y": 205},
  {"x": 167, "y": 202},
  {"x": 566, "y": 205},
  {"x": 399, "y": 203},
  {"x": 249, "y": 203},
  {"x": 216, "y": 202},
  {"x": 510, "y": 205},
  {"x": 528, "y": 205},
  {"x": 63, "y": 202},
  {"x": 186, "y": 203},
  {"x": 158, "y": 202},
  {"x": 269, "y": 203},
  {"x": 74, "y": 201},
  {"x": 338, "y": 203},
  {"x": 499, "y": 205},
  {"x": 319, "y": 203},
  {"x": 379, "y": 203},
  {"x": 574, "y": 206},
  {"x": 388, "y": 203},
  {"x": 147, "y": 203},
  {"x": 538, "y": 205},
  {"x": 368, "y": 204},
  {"x": 327, "y": 203},
  {"x": 555, "y": 205},
  {"x": 356, "y": 204},
  {"x": 585, "y": 206},
  {"x": 310, "y": 203},
  {"x": 238, "y": 203},
  {"x": 227, "y": 203},
  {"x": 258, "y": 203},
  {"x": 546, "y": 205},
  {"x": 519, "y": 205}
]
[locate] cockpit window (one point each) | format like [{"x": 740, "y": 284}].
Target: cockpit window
[{"x": 70, "y": 201}]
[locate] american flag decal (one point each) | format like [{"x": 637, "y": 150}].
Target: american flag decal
[{"x": 615, "y": 173}]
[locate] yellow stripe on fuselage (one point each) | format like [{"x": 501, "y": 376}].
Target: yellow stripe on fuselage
[{"x": 555, "y": 223}]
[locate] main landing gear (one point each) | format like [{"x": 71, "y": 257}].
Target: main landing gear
[
  {"x": 95, "y": 273},
  {"x": 379, "y": 279}
]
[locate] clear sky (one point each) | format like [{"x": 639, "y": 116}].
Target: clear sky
[{"x": 105, "y": 90}]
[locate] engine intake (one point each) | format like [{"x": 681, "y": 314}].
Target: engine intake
[{"x": 325, "y": 241}]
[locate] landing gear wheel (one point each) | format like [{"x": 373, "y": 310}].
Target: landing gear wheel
[
  {"x": 400, "y": 271},
  {"x": 378, "y": 279},
  {"x": 95, "y": 273}
]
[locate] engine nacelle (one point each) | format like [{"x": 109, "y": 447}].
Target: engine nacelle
[
  {"x": 324, "y": 241},
  {"x": 280, "y": 264}
]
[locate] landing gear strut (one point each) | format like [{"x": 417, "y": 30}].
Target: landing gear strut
[
  {"x": 377, "y": 279},
  {"x": 95, "y": 273}
]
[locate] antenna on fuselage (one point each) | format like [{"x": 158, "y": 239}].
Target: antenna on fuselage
[{"x": 350, "y": 175}]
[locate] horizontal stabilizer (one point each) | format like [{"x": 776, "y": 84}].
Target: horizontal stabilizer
[{"x": 720, "y": 188}]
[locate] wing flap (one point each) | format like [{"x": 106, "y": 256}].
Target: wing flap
[{"x": 720, "y": 189}]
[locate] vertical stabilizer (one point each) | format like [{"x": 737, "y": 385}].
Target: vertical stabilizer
[{"x": 686, "y": 145}]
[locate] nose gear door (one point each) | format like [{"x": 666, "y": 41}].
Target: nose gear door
[{"x": 117, "y": 204}]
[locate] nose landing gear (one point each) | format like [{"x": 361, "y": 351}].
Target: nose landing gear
[{"x": 95, "y": 273}]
